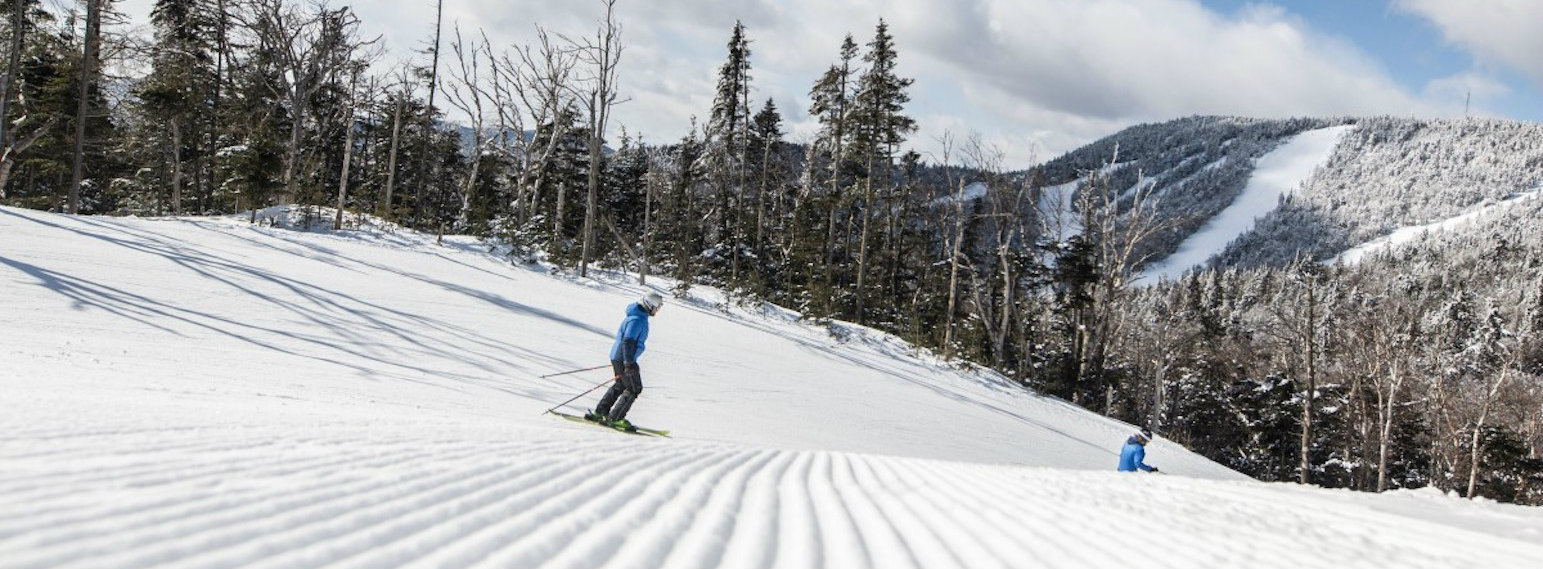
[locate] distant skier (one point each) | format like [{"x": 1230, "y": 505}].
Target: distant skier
[
  {"x": 630, "y": 338},
  {"x": 1135, "y": 451}
]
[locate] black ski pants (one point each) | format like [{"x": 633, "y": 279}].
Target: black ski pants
[{"x": 618, "y": 399}]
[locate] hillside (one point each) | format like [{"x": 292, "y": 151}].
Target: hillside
[
  {"x": 1382, "y": 174},
  {"x": 208, "y": 393}
]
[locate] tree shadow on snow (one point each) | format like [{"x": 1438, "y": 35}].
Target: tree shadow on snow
[{"x": 351, "y": 323}]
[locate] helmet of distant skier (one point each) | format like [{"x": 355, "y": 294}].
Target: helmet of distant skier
[
  {"x": 1145, "y": 435},
  {"x": 651, "y": 302}
]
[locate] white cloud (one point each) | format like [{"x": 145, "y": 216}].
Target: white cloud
[
  {"x": 1502, "y": 33},
  {"x": 1470, "y": 92},
  {"x": 1034, "y": 77}
]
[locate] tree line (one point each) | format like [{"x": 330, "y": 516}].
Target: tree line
[{"x": 1302, "y": 372}]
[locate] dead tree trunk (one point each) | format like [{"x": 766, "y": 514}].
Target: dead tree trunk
[
  {"x": 385, "y": 208},
  {"x": 428, "y": 127},
  {"x": 348, "y": 151},
  {"x": 604, "y": 53}
]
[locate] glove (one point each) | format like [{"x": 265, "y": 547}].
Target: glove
[{"x": 1154, "y": 469}]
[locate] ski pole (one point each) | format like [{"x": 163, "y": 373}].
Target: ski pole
[
  {"x": 586, "y": 392},
  {"x": 573, "y": 371}
]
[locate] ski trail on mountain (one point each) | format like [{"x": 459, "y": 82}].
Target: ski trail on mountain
[{"x": 1276, "y": 175}]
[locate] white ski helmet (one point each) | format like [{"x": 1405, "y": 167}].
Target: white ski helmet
[{"x": 651, "y": 302}]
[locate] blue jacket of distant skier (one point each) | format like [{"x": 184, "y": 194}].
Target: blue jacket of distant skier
[
  {"x": 631, "y": 336},
  {"x": 1132, "y": 455}
]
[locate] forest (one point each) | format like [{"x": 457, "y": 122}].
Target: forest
[{"x": 1421, "y": 366}]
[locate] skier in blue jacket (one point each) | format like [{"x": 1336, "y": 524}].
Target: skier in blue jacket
[
  {"x": 1135, "y": 451},
  {"x": 630, "y": 339}
]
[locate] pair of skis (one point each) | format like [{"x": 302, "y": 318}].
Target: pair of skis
[{"x": 641, "y": 431}]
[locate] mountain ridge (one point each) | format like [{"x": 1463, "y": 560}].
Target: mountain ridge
[{"x": 1387, "y": 173}]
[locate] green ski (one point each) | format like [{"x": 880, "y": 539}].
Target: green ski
[{"x": 641, "y": 431}]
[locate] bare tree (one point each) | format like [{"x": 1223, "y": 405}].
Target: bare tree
[
  {"x": 428, "y": 130},
  {"x": 467, "y": 92},
  {"x": 404, "y": 93},
  {"x": 348, "y": 148},
  {"x": 1003, "y": 206},
  {"x": 1398, "y": 330},
  {"x": 510, "y": 140},
  {"x": 603, "y": 54},
  {"x": 1496, "y": 362},
  {"x": 955, "y": 242},
  {"x": 535, "y": 84},
  {"x": 311, "y": 47},
  {"x": 1295, "y": 321},
  {"x": 1118, "y": 225},
  {"x": 1381, "y": 335}
]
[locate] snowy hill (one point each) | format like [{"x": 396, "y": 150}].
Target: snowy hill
[
  {"x": 208, "y": 393},
  {"x": 1276, "y": 176},
  {"x": 1252, "y": 192}
]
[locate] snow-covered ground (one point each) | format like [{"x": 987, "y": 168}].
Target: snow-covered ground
[
  {"x": 1058, "y": 204},
  {"x": 970, "y": 192},
  {"x": 208, "y": 393},
  {"x": 1276, "y": 175},
  {"x": 1403, "y": 235}
]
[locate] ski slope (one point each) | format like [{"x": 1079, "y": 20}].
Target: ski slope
[
  {"x": 1478, "y": 216},
  {"x": 1276, "y": 175},
  {"x": 209, "y": 393}
]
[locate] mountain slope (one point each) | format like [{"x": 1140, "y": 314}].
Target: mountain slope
[
  {"x": 1392, "y": 173},
  {"x": 1382, "y": 174},
  {"x": 1276, "y": 176},
  {"x": 206, "y": 393}
]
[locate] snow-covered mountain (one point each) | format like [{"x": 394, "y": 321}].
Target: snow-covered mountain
[
  {"x": 1251, "y": 192},
  {"x": 210, "y": 393}
]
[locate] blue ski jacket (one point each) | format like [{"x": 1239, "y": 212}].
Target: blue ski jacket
[
  {"x": 1132, "y": 455},
  {"x": 631, "y": 336}
]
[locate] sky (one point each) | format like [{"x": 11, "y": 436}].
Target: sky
[{"x": 1036, "y": 78}]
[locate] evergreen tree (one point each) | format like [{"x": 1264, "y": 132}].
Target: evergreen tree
[
  {"x": 86, "y": 102},
  {"x": 35, "y": 106},
  {"x": 880, "y": 126},
  {"x": 564, "y": 175},
  {"x": 174, "y": 95},
  {"x": 830, "y": 104},
  {"x": 768, "y": 164},
  {"x": 683, "y": 233},
  {"x": 726, "y": 139}
]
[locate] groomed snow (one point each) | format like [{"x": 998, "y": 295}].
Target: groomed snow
[
  {"x": 1276, "y": 175},
  {"x": 207, "y": 393}
]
